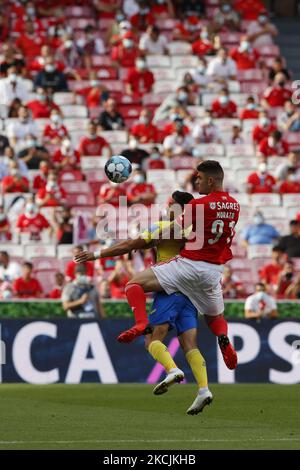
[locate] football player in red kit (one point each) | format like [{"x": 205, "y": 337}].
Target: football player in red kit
[{"x": 197, "y": 271}]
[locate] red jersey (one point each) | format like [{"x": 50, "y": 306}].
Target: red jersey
[
  {"x": 38, "y": 64},
  {"x": 289, "y": 187},
  {"x": 25, "y": 289},
  {"x": 125, "y": 56},
  {"x": 73, "y": 158},
  {"x": 137, "y": 189},
  {"x": 55, "y": 293},
  {"x": 259, "y": 133},
  {"x": 170, "y": 128},
  {"x": 141, "y": 22},
  {"x": 156, "y": 164},
  {"x": 33, "y": 225},
  {"x": 245, "y": 60},
  {"x": 57, "y": 197},
  {"x": 269, "y": 273},
  {"x": 220, "y": 216},
  {"x": 260, "y": 183},
  {"x": 223, "y": 111},
  {"x": 11, "y": 185},
  {"x": 277, "y": 96},
  {"x": 201, "y": 47},
  {"x": 281, "y": 148},
  {"x": 40, "y": 109},
  {"x": 249, "y": 9},
  {"x": 39, "y": 182},
  {"x": 70, "y": 269},
  {"x": 4, "y": 224},
  {"x": 141, "y": 82},
  {"x": 88, "y": 146},
  {"x": 30, "y": 45},
  {"x": 54, "y": 132},
  {"x": 111, "y": 194},
  {"x": 249, "y": 114},
  {"x": 108, "y": 264},
  {"x": 147, "y": 132}
]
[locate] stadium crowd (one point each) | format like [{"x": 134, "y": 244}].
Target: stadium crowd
[{"x": 166, "y": 83}]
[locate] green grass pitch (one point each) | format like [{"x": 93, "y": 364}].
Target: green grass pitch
[{"x": 94, "y": 416}]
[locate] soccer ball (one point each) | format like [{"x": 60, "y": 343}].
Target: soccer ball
[{"x": 118, "y": 169}]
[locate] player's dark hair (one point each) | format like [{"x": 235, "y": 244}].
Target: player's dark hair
[
  {"x": 277, "y": 249},
  {"x": 27, "y": 264},
  {"x": 182, "y": 198},
  {"x": 294, "y": 223},
  {"x": 212, "y": 168},
  {"x": 260, "y": 284}
]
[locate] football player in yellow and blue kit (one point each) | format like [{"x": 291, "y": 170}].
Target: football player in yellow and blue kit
[{"x": 168, "y": 311}]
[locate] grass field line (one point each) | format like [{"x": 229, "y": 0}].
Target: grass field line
[{"x": 101, "y": 441}]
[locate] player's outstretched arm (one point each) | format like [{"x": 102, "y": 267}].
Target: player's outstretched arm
[{"x": 118, "y": 249}]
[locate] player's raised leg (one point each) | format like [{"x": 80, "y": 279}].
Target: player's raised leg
[
  {"x": 161, "y": 354},
  {"x": 145, "y": 281},
  {"x": 188, "y": 343}
]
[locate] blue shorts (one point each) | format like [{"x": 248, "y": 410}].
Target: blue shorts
[{"x": 175, "y": 309}]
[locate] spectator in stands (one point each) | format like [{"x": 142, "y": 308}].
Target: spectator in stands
[
  {"x": 226, "y": 19},
  {"x": 80, "y": 298},
  {"x": 144, "y": 17},
  {"x": 206, "y": 132},
  {"x": 292, "y": 161},
  {"x": 38, "y": 62},
  {"x": 263, "y": 129},
  {"x": 261, "y": 32},
  {"x": 278, "y": 67},
  {"x": 293, "y": 291},
  {"x": 245, "y": 56},
  {"x": 90, "y": 44},
  {"x": 111, "y": 119},
  {"x": 55, "y": 132},
  {"x": 27, "y": 286},
  {"x": 251, "y": 109},
  {"x": 236, "y": 138},
  {"x": 269, "y": 273},
  {"x": 174, "y": 114},
  {"x": 155, "y": 160},
  {"x": 163, "y": 9},
  {"x": 66, "y": 157},
  {"x": 134, "y": 153},
  {"x": 139, "y": 191},
  {"x": 17, "y": 131},
  {"x": 285, "y": 279},
  {"x": 181, "y": 100},
  {"x": 187, "y": 29},
  {"x": 278, "y": 94},
  {"x": 95, "y": 93},
  {"x": 145, "y": 131},
  {"x": 290, "y": 244},
  {"x": 259, "y": 233},
  {"x": 14, "y": 182},
  {"x": 94, "y": 144},
  {"x": 261, "y": 181},
  {"x": 33, "y": 153},
  {"x": 56, "y": 292},
  {"x": 140, "y": 79},
  {"x": 63, "y": 225},
  {"x": 50, "y": 77},
  {"x": 260, "y": 304},
  {"x": 274, "y": 145},
  {"x": 126, "y": 52},
  {"x": 14, "y": 107},
  {"x": 4, "y": 29},
  {"x": 13, "y": 86},
  {"x": 41, "y": 107},
  {"x": 291, "y": 185},
  {"x": 289, "y": 120},
  {"x": 28, "y": 12},
  {"x": 153, "y": 42},
  {"x": 178, "y": 143},
  {"x": 231, "y": 286},
  {"x": 9, "y": 156},
  {"x": 119, "y": 277},
  {"x": 30, "y": 41},
  {"x": 117, "y": 28},
  {"x": 52, "y": 195},
  {"x": 106, "y": 8},
  {"x": 204, "y": 44},
  {"x": 69, "y": 54},
  {"x": 71, "y": 265},
  {"x": 10, "y": 57},
  {"x": 222, "y": 68},
  {"x": 32, "y": 222},
  {"x": 249, "y": 10},
  {"x": 200, "y": 76},
  {"x": 40, "y": 179},
  {"x": 104, "y": 289},
  {"x": 223, "y": 106},
  {"x": 9, "y": 270},
  {"x": 5, "y": 230},
  {"x": 4, "y": 143}
]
